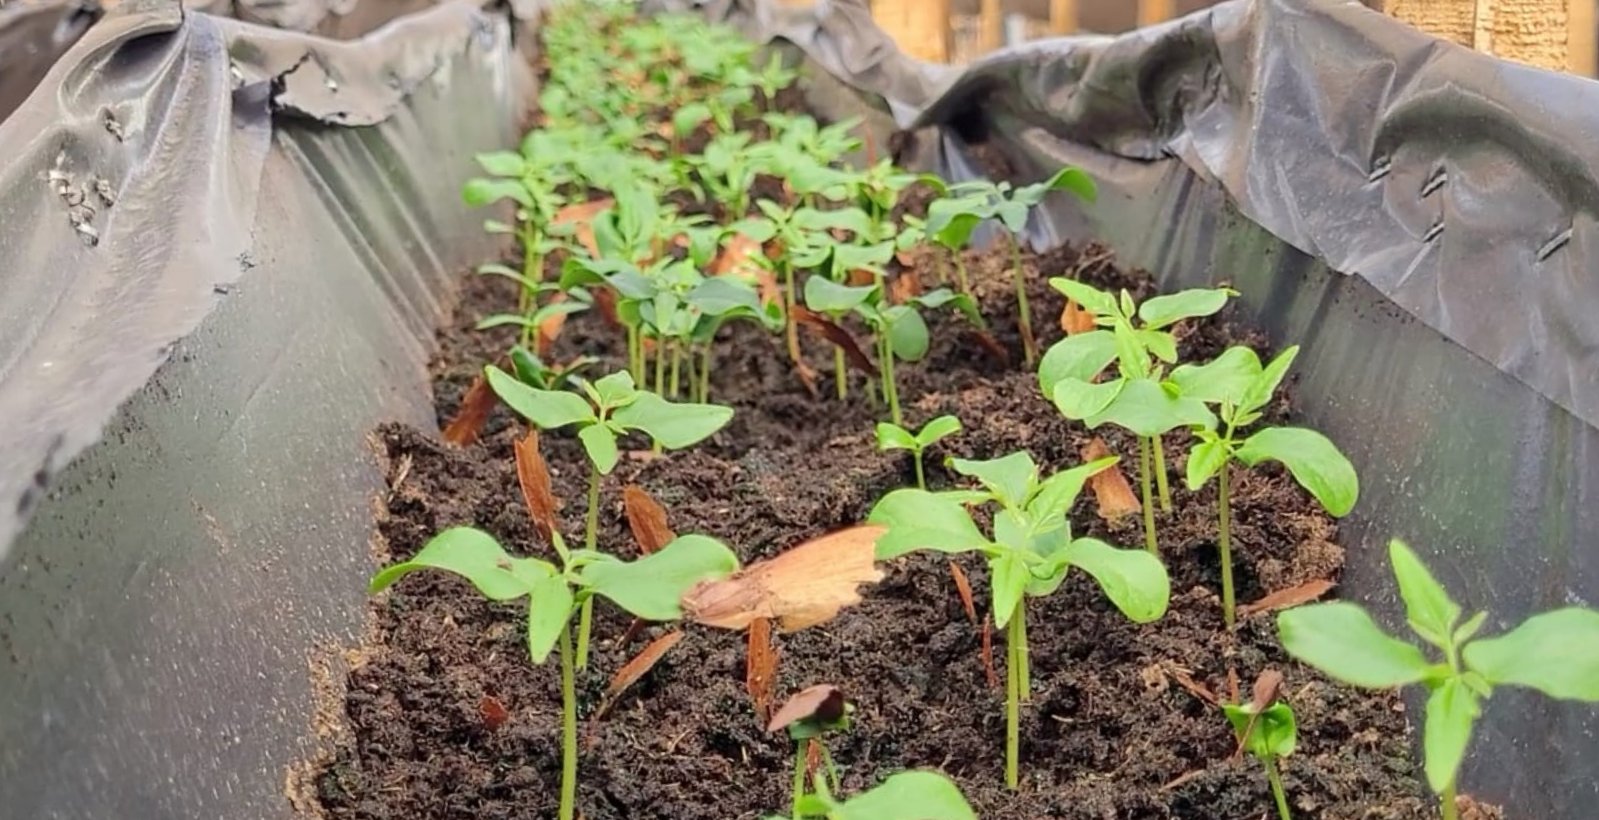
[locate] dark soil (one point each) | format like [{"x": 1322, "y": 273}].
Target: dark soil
[{"x": 1115, "y": 729}]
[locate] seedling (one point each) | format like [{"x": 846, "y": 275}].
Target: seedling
[
  {"x": 1550, "y": 652},
  {"x": 918, "y": 795},
  {"x": 532, "y": 371},
  {"x": 1029, "y": 554},
  {"x": 894, "y": 437},
  {"x": 614, "y": 407},
  {"x": 809, "y": 717},
  {"x": 952, "y": 220},
  {"x": 649, "y": 588},
  {"x": 1135, "y": 337},
  {"x": 1266, "y": 729},
  {"x": 794, "y": 228},
  {"x": 531, "y": 179},
  {"x": 1243, "y": 388}
]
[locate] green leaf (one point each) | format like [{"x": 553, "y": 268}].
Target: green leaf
[
  {"x": 1470, "y": 628},
  {"x": 688, "y": 118},
  {"x": 1158, "y": 342},
  {"x": 616, "y": 389},
  {"x": 1134, "y": 580},
  {"x": 651, "y": 587},
  {"x": 549, "y": 607},
  {"x": 1009, "y": 577},
  {"x": 547, "y": 409},
  {"x": 1451, "y": 710},
  {"x": 1224, "y": 379},
  {"x": 1132, "y": 358},
  {"x": 480, "y": 192},
  {"x": 955, "y": 231},
  {"x": 1343, "y": 641},
  {"x": 503, "y": 163},
  {"x": 1259, "y": 393},
  {"x": 1080, "y": 357},
  {"x": 920, "y": 520},
  {"x": 823, "y": 295},
  {"x": 600, "y": 444},
  {"x": 1314, "y": 461},
  {"x": 719, "y": 295},
  {"x": 1553, "y": 653},
  {"x": 1205, "y": 460},
  {"x": 1275, "y": 733},
  {"x": 474, "y": 555},
  {"x": 1165, "y": 311},
  {"x": 938, "y": 429},
  {"x": 673, "y": 425},
  {"x": 1059, "y": 492},
  {"x": 537, "y": 319},
  {"x": 1078, "y": 400},
  {"x": 907, "y": 333},
  {"x": 1092, "y": 299},
  {"x": 1010, "y": 478},
  {"x": 909, "y": 796},
  {"x": 1146, "y": 409},
  {"x": 1427, "y": 605},
  {"x": 894, "y": 437}
]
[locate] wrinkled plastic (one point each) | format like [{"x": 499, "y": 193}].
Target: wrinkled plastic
[
  {"x": 224, "y": 253},
  {"x": 1420, "y": 218}
]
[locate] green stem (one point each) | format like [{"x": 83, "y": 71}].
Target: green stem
[
  {"x": 921, "y": 475},
  {"x": 591, "y": 534},
  {"x": 1149, "y": 506},
  {"x": 1024, "y": 686},
  {"x": 871, "y": 394},
  {"x": 799, "y": 778},
  {"x": 1025, "y": 313},
  {"x": 705, "y": 375},
  {"x": 832, "y": 770},
  {"x": 1224, "y": 519},
  {"x": 1160, "y": 475},
  {"x": 568, "y": 728},
  {"x": 890, "y": 388},
  {"x": 660, "y": 366},
  {"x": 1277, "y": 792},
  {"x": 1013, "y": 698},
  {"x": 960, "y": 273},
  {"x": 635, "y": 354},
  {"x": 1448, "y": 801},
  {"x": 691, "y": 373},
  {"x": 677, "y": 366},
  {"x": 840, "y": 378}
]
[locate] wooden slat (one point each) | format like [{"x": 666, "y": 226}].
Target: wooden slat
[
  {"x": 1536, "y": 32},
  {"x": 919, "y": 27},
  {"x": 1582, "y": 39},
  {"x": 1151, "y": 12},
  {"x": 1062, "y": 16},
  {"x": 991, "y": 25}
]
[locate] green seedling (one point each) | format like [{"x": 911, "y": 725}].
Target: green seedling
[
  {"x": 809, "y": 717},
  {"x": 613, "y": 408},
  {"x": 649, "y": 588},
  {"x": 532, "y": 371},
  {"x": 1137, "y": 338},
  {"x": 794, "y": 228},
  {"x": 1267, "y": 730},
  {"x": 1029, "y": 553},
  {"x": 893, "y": 437},
  {"x": 774, "y": 78},
  {"x": 1551, "y": 652},
  {"x": 918, "y": 795},
  {"x": 531, "y": 179},
  {"x": 729, "y": 170},
  {"x": 1242, "y": 387}
]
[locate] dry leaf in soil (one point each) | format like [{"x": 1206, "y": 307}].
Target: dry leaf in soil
[
  {"x": 1113, "y": 495},
  {"x": 760, "y": 669},
  {"x": 475, "y": 409},
  {"x": 803, "y": 587},
  {"x": 963, "y": 587},
  {"x": 493, "y": 713},
  {"x": 904, "y": 287},
  {"x": 533, "y": 474},
  {"x": 1074, "y": 319},
  {"x": 736, "y": 260},
  {"x": 638, "y": 667},
  {"x": 582, "y": 215},
  {"x": 838, "y": 336},
  {"x": 823, "y": 703},
  {"x": 647, "y": 519},
  {"x": 1285, "y": 598},
  {"x": 550, "y": 328}
]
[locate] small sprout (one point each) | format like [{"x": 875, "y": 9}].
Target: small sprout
[
  {"x": 1550, "y": 652},
  {"x": 531, "y": 370},
  {"x": 808, "y": 717},
  {"x": 917, "y": 795},
  {"x": 894, "y": 437},
  {"x": 1029, "y": 554},
  {"x": 1243, "y": 388},
  {"x": 1135, "y": 337},
  {"x": 1266, "y": 729},
  {"x": 649, "y": 588}
]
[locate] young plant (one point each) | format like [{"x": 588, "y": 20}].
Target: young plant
[
  {"x": 895, "y": 437},
  {"x": 613, "y": 408},
  {"x": 532, "y": 371},
  {"x": 1242, "y": 387},
  {"x": 531, "y": 179},
  {"x": 649, "y": 588},
  {"x": 809, "y": 717},
  {"x": 918, "y": 795},
  {"x": 1266, "y": 729},
  {"x": 1029, "y": 553},
  {"x": 794, "y": 228},
  {"x": 1135, "y": 337},
  {"x": 1551, "y": 652}
]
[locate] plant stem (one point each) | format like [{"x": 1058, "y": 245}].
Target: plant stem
[
  {"x": 871, "y": 394},
  {"x": 635, "y": 354},
  {"x": 1276, "y": 780},
  {"x": 677, "y": 366},
  {"x": 1024, "y": 686},
  {"x": 568, "y": 728},
  {"x": 832, "y": 770},
  {"x": 890, "y": 388},
  {"x": 691, "y": 372},
  {"x": 705, "y": 374},
  {"x": 1025, "y": 314},
  {"x": 840, "y": 378},
  {"x": 788, "y": 312},
  {"x": 1161, "y": 483},
  {"x": 591, "y": 534},
  {"x": 660, "y": 366},
  {"x": 1448, "y": 800},
  {"x": 799, "y": 777},
  {"x": 1224, "y": 541},
  {"x": 1013, "y": 698},
  {"x": 921, "y": 475},
  {"x": 1149, "y": 506}
]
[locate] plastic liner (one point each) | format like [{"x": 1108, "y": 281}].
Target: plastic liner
[
  {"x": 33, "y": 35},
  {"x": 1418, "y": 217},
  {"x": 225, "y": 251}
]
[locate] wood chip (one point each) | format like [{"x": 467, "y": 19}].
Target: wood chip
[
  {"x": 550, "y": 329},
  {"x": 760, "y": 669},
  {"x": 1187, "y": 682},
  {"x": 963, "y": 587},
  {"x": 802, "y": 587},
  {"x": 533, "y": 474},
  {"x": 823, "y": 702},
  {"x": 1113, "y": 494},
  {"x": 838, "y": 336},
  {"x": 647, "y": 519},
  {"x": 1285, "y": 598},
  {"x": 475, "y": 409},
  {"x": 637, "y": 668}
]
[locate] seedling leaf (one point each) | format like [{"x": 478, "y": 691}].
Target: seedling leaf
[
  {"x": 938, "y": 429},
  {"x": 918, "y": 520},
  {"x": 549, "y": 608},
  {"x": 1092, "y": 299},
  {"x": 548, "y": 409},
  {"x": 651, "y": 587},
  {"x": 826, "y": 296},
  {"x": 1546, "y": 653},
  {"x": 673, "y": 425},
  {"x": 1134, "y": 580},
  {"x": 476, "y": 556},
  {"x": 907, "y": 333},
  {"x": 1314, "y": 461},
  {"x": 1010, "y": 477},
  {"x": 1431, "y": 612},
  {"x": 1452, "y": 708},
  {"x": 1009, "y": 578},
  {"x": 1147, "y": 409},
  {"x": 1224, "y": 379},
  {"x": 1164, "y": 311},
  {"x": 599, "y": 441},
  {"x": 1080, "y": 357},
  {"x": 908, "y": 796},
  {"x": 894, "y": 437},
  {"x": 1080, "y": 400},
  {"x": 1274, "y": 734},
  {"x": 1059, "y": 492},
  {"x": 1343, "y": 641},
  {"x": 1205, "y": 460}
]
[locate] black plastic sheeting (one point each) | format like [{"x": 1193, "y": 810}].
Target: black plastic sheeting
[
  {"x": 1419, "y": 217},
  {"x": 223, "y": 253}
]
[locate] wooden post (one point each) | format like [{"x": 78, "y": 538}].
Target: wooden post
[
  {"x": 1151, "y": 12},
  {"x": 1536, "y": 32},
  {"x": 990, "y": 26},
  {"x": 1583, "y": 37},
  {"x": 919, "y": 27},
  {"x": 1062, "y": 16}
]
